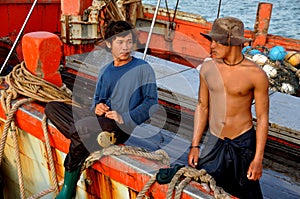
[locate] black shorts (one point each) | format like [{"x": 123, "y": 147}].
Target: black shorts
[{"x": 228, "y": 162}]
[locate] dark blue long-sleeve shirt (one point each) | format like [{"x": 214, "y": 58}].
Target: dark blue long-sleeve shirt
[{"x": 130, "y": 90}]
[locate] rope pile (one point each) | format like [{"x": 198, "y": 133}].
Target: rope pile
[
  {"x": 188, "y": 173},
  {"x": 159, "y": 155},
  {"x": 22, "y": 82}
]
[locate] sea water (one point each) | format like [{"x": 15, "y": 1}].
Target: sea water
[{"x": 285, "y": 19}]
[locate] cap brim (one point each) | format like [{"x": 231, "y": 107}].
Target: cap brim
[
  {"x": 222, "y": 40},
  {"x": 207, "y": 36}
]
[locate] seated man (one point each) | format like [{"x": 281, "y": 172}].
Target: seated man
[{"x": 125, "y": 96}]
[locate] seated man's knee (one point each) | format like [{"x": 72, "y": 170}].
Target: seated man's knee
[
  {"x": 48, "y": 108},
  {"x": 51, "y": 108}
]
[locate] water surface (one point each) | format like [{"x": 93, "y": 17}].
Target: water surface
[{"x": 285, "y": 19}]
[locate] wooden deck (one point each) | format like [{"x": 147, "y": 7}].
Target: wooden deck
[{"x": 178, "y": 88}]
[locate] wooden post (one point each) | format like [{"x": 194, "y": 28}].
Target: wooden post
[
  {"x": 42, "y": 54},
  {"x": 263, "y": 17}
]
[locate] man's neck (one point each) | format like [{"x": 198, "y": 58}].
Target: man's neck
[{"x": 119, "y": 62}]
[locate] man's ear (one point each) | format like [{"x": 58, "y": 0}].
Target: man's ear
[{"x": 108, "y": 44}]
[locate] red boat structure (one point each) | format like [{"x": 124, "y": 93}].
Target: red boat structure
[{"x": 60, "y": 43}]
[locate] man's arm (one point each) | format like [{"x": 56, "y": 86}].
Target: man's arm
[
  {"x": 149, "y": 100},
  {"x": 261, "y": 97},
  {"x": 200, "y": 121},
  {"x": 98, "y": 93}
]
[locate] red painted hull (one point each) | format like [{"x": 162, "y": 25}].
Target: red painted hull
[{"x": 103, "y": 172}]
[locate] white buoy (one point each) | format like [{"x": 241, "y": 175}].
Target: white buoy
[
  {"x": 287, "y": 88},
  {"x": 270, "y": 71},
  {"x": 260, "y": 59}
]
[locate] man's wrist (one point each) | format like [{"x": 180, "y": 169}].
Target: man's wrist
[{"x": 194, "y": 146}]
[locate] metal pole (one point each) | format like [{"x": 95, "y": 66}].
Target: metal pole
[
  {"x": 19, "y": 35},
  {"x": 219, "y": 8},
  {"x": 151, "y": 29}
]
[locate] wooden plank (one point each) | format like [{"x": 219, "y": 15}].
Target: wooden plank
[
  {"x": 284, "y": 117},
  {"x": 284, "y": 111},
  {"x": 180, "y": 88},
  {"x": 282, "y": 187},
  {"x": 90, "y": 63}
]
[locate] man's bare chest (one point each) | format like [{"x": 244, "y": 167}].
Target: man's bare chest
[{"x": 233, "y": 82}]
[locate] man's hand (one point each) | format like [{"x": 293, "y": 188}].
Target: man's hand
[
  {"x": 193, "y": 157},
  {"x": 255, "y": 170},
  {"x": 101, "y": 109},
  {"x": 114, "y": 115}
]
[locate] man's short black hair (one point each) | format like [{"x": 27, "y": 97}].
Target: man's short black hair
[{"x": 119, "y": 28}]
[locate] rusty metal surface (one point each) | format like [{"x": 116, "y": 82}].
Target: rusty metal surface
[
  {"x": 111, "y": 178},
  {"x": 34, "y": 165}
]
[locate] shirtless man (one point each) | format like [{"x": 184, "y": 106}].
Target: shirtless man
[{"x": 232, "y": 149}]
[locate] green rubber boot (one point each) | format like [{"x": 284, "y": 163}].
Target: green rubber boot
[{"x": 70, "y": 183}]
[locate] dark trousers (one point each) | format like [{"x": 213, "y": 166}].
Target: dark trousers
[
  {"x": 82, "y": 127},
  {"x": 228, "y": 162}
]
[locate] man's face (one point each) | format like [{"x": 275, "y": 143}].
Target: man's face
[
  {"x": 121, "y": 48},
  {"x": 218, "y": 50}
]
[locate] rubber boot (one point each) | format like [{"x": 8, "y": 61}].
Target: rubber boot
[{"x": 70, "y": 183}]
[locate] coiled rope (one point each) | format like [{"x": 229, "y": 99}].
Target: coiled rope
[
  {"x": 159, "y": 155},
  {"x": 10, "y": 125},
  {"x": 22, "y": 82},
  {"x": 189, "y": 173}
]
